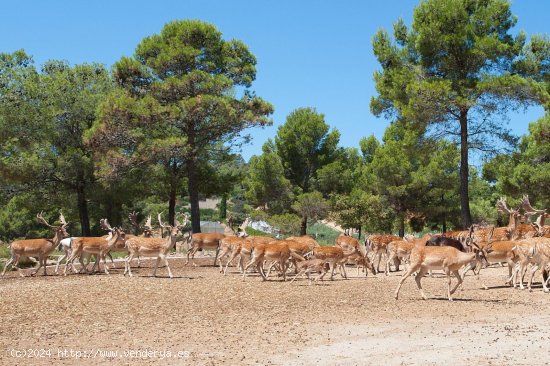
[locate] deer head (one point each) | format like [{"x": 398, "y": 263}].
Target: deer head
[
  {"x": 529, "y": 211},
  {"x": 173, "y": 230},
  {"x": 60, "y": 230}
]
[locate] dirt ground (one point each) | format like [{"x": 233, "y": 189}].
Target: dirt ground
[{"x": 204, "y": 318}]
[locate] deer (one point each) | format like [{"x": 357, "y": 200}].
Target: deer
[
  {"x": 231, "y": 245},
  {"x": 210, "y": 241},
  {"x": 538, "y": 226},
  {"x": 534, "y": 251},
  {"x": 311, "y": 265},
  {"x": 506, "y": 232},
  {"x": 245, "y": 251},
  {"x": 336, "y": 257},
  {"x": 448, "y": 259},
  {"x": 99, "y": 246},
  {"x": 276, "y": 252},
  {"x": 348, "y": 243},
  {"x": 40, "y": 248},
  {"x": 153, "y": 247},
  {"x": 378, "y": 244}
]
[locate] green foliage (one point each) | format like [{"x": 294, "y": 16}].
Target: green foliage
[
  {"x": 253, "y": 232},
  {"x": 527, "y": 170},
  {"x": 305, "y": 145},
  {"x": 265, "y": 184},
  {"x": 311, "y": 205},
  {"x": 43, "y": 118},
  {"x": 178, "y": 105},
  {"x": 452, "y": 71},
  {"x": 287, "y": 223}
]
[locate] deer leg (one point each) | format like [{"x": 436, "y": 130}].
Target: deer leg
[
  {"x": 128, "y": 268},
  {"x": 534, "y": 269},
  {"x": 301, "y": 273},
  {"x": 343, "y": 269},
  {"x": 422, "y": 271},
  {"x": 45, "y": 264},
  {"x": 223, "y": 254},
  {"x": 233, "y": 255},
  {"x": 216, "y": 256},
  {"x": 156, "y": 266},
  {"x": 407, "y": 274},
  {"x": 56, "y": 271},
  {"x": 251, "y": 262},
  {"x": 448, "y": 275},
  {"x": 8, "y": 263},
  {"x": 457, "y": 275},
  {"x": 167, "y": 266},
  {"x": 40, "y": 261},
  {"x": 387, "y": 270},
  {"x": 112, "y": 261}
]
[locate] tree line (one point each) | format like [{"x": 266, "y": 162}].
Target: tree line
[{"x": 163, "y": 127}]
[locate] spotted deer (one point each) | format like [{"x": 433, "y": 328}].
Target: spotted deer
[
  {"x": 40, "y": 248},
  {"x": 153, "y": 247}
]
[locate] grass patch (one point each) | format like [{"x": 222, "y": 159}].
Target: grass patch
[
  {"x": 323, "y": 234},
  {"x": 254, "y": 232}
]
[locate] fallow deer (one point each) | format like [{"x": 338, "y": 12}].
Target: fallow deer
[
  {"x": 40, "y": 248},
  {"x": 276, "y": 252},
  {"x": 84, "y": 247},
  {"x": 312, "y": 265},
  {"x": 335, "y": 256},
  {"x": 378, "y": 245},
  {"x": 448, "y": 259},
  {"x": 153, "y": 247}
]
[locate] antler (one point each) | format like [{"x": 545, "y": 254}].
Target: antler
[
  {"x": 41, "y": 220},
  {"x": 132, "y": 216},
  {"x": 501, "y": 206},
  {"x": 160, "y": 222},
  {"x": 62, "y": 219},
  {"x": 529, "y": 210},
  {"x": 104, "y": 223},
  {"x": 148, "y": 225}
]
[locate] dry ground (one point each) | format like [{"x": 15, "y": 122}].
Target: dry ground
[{"x": 212, "y": 319}]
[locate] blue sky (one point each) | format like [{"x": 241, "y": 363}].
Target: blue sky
[{"x": 310, "y": 53}]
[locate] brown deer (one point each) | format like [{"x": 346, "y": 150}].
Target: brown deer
[
  {"x": 275, "y": 252},
  {"x": 40, "y": 248},
  {"x": 445, "y": 258},
  {"x": 153, "y": 247},
  {"x": 211, "y": 241},
  {"x": 378, "y": 245},
  {"x": 84, "y": 247},
  {"x": 312, "y": 265},
  {"x": 538, "y": 226},
  {"x": 335, "y": 256}
]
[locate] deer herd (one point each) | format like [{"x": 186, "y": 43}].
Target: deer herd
[{"x": 523, "y": 246}]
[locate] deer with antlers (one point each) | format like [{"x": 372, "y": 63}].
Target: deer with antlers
[
  {"x": 154, "y": 247},
  {"x": 538, "y": 226},
  {"x": 84, "y": 247},
  {"x": 40, "y": 248}
]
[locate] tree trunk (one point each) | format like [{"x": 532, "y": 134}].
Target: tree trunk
[
  {"x": 359, "y": 233},
  {"x": 82, "y": 209},
  {"x": 444, "y": 219},
  {"x": 172, "y": 203},
  {"x": 464, "y": 171},
  {"x": 193, "y": 188},
  {"x": 402, "y": 226},
  {"x": 223, "y": 208},
  {"x": 303, "y": 226}
]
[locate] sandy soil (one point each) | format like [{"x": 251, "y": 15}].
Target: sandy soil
[{"x": 213, "y": 319}]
